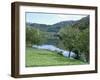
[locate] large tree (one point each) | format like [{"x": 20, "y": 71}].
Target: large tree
[
  {"x": 67, "y": 36},
  {"x": 76, "y": 40}
]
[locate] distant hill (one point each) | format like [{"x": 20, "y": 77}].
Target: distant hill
[
  {"x": 56, "y": 27},
  {"x": 51, "y": 28},
  {"x": 82, "y": 23},
  {"x": 42, "y": 27}
]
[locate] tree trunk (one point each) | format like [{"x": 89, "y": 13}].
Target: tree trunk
[
  {"x": 69, "y": 54},
  {"x": 77, "y": 54}
]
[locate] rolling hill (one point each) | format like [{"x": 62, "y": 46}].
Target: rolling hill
[{"x": 51, "y": 28}]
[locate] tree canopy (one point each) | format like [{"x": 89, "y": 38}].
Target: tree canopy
[{"x": 34, "y": 36}]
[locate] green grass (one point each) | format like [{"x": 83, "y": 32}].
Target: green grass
[{"x": 39, "y": 57}]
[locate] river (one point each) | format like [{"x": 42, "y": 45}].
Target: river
[{"x": 65, "y": 53}]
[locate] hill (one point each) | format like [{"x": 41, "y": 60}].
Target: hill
[{"x": 51, "y": 28}]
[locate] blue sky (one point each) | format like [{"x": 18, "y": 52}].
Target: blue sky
[{"x": 49, "y": 19}]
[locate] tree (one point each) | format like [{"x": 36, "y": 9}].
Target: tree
[
  {"x": 67, "y": 36},
  {"x": 83, "y": 43},
  {"x": 76, "y": 40},
  {"x": 34, "y": 36}
]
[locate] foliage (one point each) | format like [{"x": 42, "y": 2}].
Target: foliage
[
  {"x": 76, "y": 40},
  {"x": 83, "y": 43},
  {"x": 34, "y": 36},
  {"x": 68, "y": 36}
]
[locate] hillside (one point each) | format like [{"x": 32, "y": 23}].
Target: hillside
[
  {"x": 42, "y": 27},
  {"x": 51, "y": 28},
  {"x": 82, "y": 24},
  {"x": 56, "y": 27}
]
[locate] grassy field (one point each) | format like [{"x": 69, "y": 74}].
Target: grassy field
[{"x": 38, "y": 57}]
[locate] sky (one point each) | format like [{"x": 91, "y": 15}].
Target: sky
[{"x": 49, "y": 19}]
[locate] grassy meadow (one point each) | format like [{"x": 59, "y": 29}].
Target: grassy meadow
[{"x": 40, "y": 57}]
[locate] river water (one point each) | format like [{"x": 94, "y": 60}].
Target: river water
[{"x": 65, "y": 53}]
